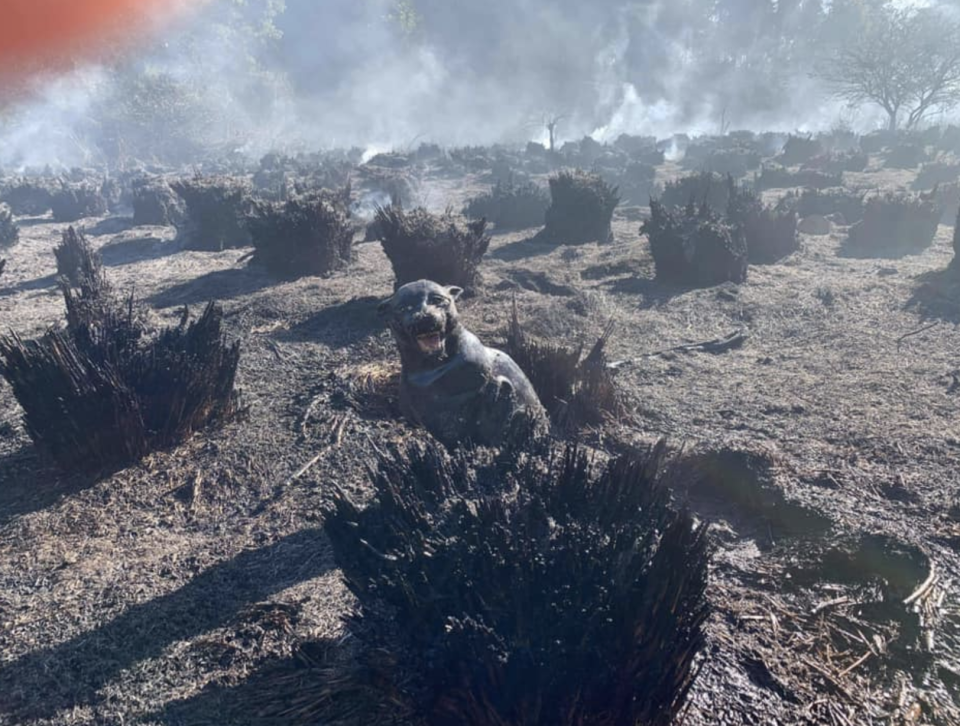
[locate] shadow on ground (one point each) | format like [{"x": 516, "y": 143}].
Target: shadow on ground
[
  {"x": 218, "y": 285},
  {"x": 313, "y": 686},
  {"x": 343, "y": 324},
  {"x": 29, "y": 484},
  {"x": 136, "y": 249},
  {"x": 70, "y": 675}
]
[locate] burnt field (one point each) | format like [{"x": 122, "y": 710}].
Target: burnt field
[{"x": 810, "y": 392}]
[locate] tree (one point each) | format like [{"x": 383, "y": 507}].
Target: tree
[{"x": 906, "y": 61}]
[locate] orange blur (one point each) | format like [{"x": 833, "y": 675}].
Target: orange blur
[{"x": 38, "y": 35}]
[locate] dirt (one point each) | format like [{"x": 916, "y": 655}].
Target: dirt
[{"x": 172, "y": 591}]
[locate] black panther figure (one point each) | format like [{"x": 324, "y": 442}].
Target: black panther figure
[{"x": 453, "y": 385}]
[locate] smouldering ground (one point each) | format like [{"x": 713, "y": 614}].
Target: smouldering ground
[{"x": 161, "y": 594}]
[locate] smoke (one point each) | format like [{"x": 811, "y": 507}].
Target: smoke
[{"x": 231, "y": 77}]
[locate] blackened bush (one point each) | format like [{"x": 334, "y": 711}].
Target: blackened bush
[
  {"x": 905, "y": 156},
  {"x": 396, "y": 184},
  {"x": 217, "y": 208},
  {"x": 948, "y": 199},
  {"x": 9, "y": 231},
  {"x": 638, "y": 182},
  {"x": 826, "y": 203},
  {"x": 581, "y": 209},
  {"x": 770, "y": 234},
  {"x": 76, "y": 201},
  {"x": 76, "y": 260},
  {"x": 894, "y": 225},
  {"x": 27, "y": 197},
  {"x": 104, "y": 391},
  {"x": 935, "y": 173},
  {"x": 156, "y": 204},
  {"x": 308, "y": 235},
  {"x": 877, "y": 141},
  {"x": 701, "y": 189},
  {"x": 778, "y": 177},
  {"x": 732, "y": 162},
  {"x": 443, "y": 248},
  {"x": 695, "y": 246},
  {"x": 539, "y": 588},
  {"x": 799, "y": 149},
  {"x": 510, "y": 205},
  {"x": 577, "y": 391}
]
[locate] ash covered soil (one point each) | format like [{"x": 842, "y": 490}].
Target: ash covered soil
[{"x": 176, "y": 591}]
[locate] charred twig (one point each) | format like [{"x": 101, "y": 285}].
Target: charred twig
[
  {"x": 916, "y": 332},
  {"x": 718, "y": 345},
  {"x": 924, "y": 588}
]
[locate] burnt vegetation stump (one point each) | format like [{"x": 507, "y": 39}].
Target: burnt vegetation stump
[
  {"x": 478, "y": 581},
  {"x": 77, "y": 263},
  {"x": 155, "y": 204},
  {"x": 306, "y": 235},
  {"x": 894, "y": 225},
  {"x": 581, "y": 209},
  {"x": 27, "y": 197},
  {"x": 770, "y": 233},
  {"x": 77, "y": 201},
  {"x": 217, "y": 208},
  {"x": 510, "y": 205},
  {"x": 9, "y": 231},
  {"x": 577, "y": 391},
  {"x": 707, "y": 188},
  {"x": 423, "y": 246},
  {"x": 105, "y": 390},
  {"x": 695, "y": 246}
]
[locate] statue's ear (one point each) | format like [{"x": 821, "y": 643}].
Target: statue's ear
[
  {"x": 454, "y": 292},
  {"x": 385, "y": 306}
]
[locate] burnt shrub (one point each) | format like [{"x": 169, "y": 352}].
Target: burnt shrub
[
  {"x": 894, "y": 225},
  {"x": 156, "y": 204},
  {"x": 442, "y": 248},
  {"x": 3, "y": 264},
  {"x": 704, "y": 188},
  {"x": 877, "y": 141},
  {"x": 695, "y": 246},
  {"x": 510, "y": 205},
  {"x": 307, "y": 235},
  {"x": 826, "y": 203},
  {"x": 394, "y": 183},
  {"x": 76, "y": 260},
  {"x": 778, "y": 177},
  {"x": 770, "y": 233},
  {"x": 577, "y": 391},
  {"x": 948, "y": 199},
  {"x": 478, "y": 581},
  {"x": 9, "y": 231},
  {"x": 732, "y": 162},
  {"x": 27, "y": 197},
  {"x": 939, "y": 172},
  {"x": 105, "y": 390},
  {"x": 637, "y": 183},
  {"x": 799, "y": 149},
  {"x": 217, "y": 208},
  {"x": 581, "y": 208},
  {"x": 905, "y": 156},
  {"x": 76, "y": 201}
]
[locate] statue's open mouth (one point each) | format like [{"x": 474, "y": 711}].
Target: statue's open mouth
[{"x": 430, "y": 343}]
